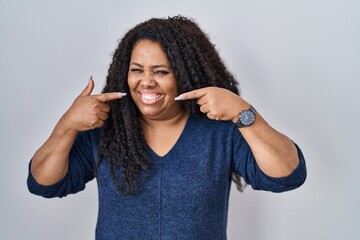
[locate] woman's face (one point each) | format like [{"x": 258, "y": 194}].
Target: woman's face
[{"x": 152, "y": 83}]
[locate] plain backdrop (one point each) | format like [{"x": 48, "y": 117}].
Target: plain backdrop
[{"x": 297, "y": 61}]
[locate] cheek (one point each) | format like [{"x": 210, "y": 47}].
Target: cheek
[
  {"x": 175, "y": 92},
  {"x": 174, "y": 89},
  {"x": 132, "y": 82},
  {"x": 169, "y": 86}
]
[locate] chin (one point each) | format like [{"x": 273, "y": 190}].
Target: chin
[{"x": 149, "y": 113}]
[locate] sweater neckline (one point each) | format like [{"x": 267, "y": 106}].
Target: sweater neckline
[{"x": 178, "y": 141}]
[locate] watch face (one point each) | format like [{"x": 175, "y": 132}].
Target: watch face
[{"x": 247, "y": 117}]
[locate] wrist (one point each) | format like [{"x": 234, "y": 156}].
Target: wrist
[
  {"x": 245, "y": 117},
  {"x": 64, "y": 128}
]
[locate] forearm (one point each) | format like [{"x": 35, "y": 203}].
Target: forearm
[
  {"x": 50, "y": 162},
  {"x": 275, "y": 154}
]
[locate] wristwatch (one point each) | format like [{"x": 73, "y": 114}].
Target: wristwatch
[{"x": 246, "y": 117}]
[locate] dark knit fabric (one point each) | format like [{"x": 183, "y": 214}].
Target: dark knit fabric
[{"x": 186, "y": 195}]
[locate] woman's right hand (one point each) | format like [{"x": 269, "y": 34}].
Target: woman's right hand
[
  {"x": 50, "y": 162},
  {"x": 88, "y": 111}
]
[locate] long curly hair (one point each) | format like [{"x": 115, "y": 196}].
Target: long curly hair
[{"x": 195, "y": 63}]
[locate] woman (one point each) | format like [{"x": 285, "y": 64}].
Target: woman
[{"x": 164, "y": 139}]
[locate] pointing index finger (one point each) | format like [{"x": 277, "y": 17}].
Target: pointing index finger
[
  {"x": 194, "y": 94},
  {"x": 105, "y": 97}
]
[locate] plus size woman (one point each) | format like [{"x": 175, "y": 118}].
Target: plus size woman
[{"x": 164, "y": 140}]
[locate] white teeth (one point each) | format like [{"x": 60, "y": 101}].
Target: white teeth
[{"x": 150, "y": 96}]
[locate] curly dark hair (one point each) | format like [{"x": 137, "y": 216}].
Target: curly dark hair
[{"x": 195, "y": 63}]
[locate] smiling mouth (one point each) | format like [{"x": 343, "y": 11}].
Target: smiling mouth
[{"x": 150, "y": 98}]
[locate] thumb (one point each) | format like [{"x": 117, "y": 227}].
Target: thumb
[{"x": 89, "y": 88}]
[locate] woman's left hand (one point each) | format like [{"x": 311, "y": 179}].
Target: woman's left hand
[
  {"x": 275, "y": 153},
  {"x": 217, "y": 103}
]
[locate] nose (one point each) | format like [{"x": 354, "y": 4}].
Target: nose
[{"x": 147, "y": 79}]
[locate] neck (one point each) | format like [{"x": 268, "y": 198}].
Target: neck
[{"x": 180, "y": 117}]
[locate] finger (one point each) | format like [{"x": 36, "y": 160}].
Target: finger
[
  {"x": 105, "y": 97},
  {"x": 212, "y": 116},
  {"x": 102, "y": 116},
  {"x": 204, "y": 108},
  {"x": 194, "y": 94},
  {"x": 98, "y": 124},
  {"x": 104, "y": 107},
  {"x": 89, "y": 88},
  {"x": 202, "y": 101}
]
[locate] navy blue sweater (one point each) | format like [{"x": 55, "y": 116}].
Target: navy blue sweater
[{"x": 186, "y": 196}]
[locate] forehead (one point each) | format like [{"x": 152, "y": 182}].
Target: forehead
[{"x": 148, "y": 49}]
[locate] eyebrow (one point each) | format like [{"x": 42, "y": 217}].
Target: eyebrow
[{"x": 155, "y": 66}]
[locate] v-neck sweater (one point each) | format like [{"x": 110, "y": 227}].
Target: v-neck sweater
[{"x": 187, "y": 193}]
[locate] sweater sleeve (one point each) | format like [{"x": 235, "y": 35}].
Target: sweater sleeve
[
  {"x": 80, "y": 171},
  {"x": 244, "y": 164}
]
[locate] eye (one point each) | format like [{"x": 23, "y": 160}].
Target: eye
[
  {"x": 135, "y": 70},
  {"x": 161, "y": 72}
]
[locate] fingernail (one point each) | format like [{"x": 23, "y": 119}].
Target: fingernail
[
  {"x": 122, "y": 94},
  {"x": 178, "y": 98}
]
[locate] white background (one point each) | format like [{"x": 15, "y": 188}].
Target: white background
[{"x": 297, "y": 61}]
